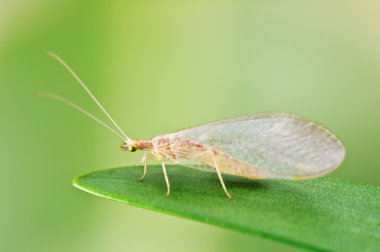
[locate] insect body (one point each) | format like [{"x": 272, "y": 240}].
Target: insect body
[{"x": 260, "y": 146}]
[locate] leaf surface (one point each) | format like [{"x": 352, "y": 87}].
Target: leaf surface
[{"x": 319, "y": 214}]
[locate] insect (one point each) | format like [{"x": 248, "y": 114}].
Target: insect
[{"x": 260, "y": 146}]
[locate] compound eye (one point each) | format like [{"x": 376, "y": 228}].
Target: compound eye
[{"x": 132, "y": 148}]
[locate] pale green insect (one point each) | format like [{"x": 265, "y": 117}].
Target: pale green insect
[{"x": 260, "y": 146}]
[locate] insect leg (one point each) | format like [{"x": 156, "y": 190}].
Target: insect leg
[
  {"x": 166, "y": 179},
  {"x": 221, "y": 179},
  {"x": 144, "y": 174}
]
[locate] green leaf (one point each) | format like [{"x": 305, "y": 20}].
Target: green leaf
[{"x": 320, "y": 214}]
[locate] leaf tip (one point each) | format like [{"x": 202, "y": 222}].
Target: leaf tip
[{"x": 76, "y": 182}]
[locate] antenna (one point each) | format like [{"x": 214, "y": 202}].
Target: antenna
[
  {"x": 60, "y": 60},
  {"x": 75, "y": 106}
]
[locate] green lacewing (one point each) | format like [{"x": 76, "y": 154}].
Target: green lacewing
[{"x": 259, "y": 146}]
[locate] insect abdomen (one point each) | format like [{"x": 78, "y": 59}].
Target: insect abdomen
[{"x": 199, "y": 156}]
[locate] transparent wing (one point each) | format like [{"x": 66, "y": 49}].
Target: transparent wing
[{"x": 285, "y": 146}]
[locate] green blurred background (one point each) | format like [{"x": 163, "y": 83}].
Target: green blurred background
[{"x": 159, "y": 66}]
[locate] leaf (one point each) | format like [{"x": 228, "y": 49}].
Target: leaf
[{"x": 320, "y": 214}]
